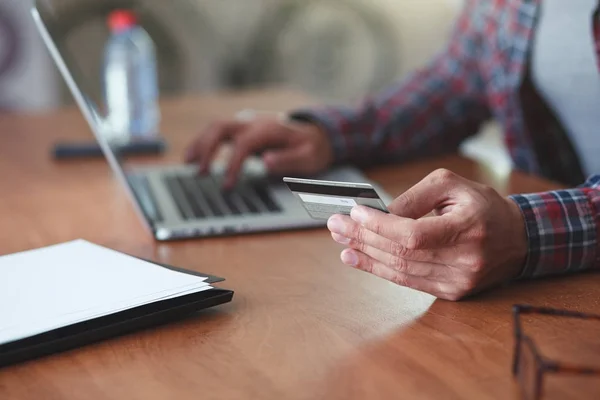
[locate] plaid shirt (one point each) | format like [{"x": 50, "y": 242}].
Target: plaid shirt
[{"x": 483, "y": 74}]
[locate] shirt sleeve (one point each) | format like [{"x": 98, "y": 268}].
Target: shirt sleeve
[
  {"x": 563, "y": 230},
  {"x": 428, "y": 113}
]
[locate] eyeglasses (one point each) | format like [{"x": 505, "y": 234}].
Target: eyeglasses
[{"x": 528, "y": 365}]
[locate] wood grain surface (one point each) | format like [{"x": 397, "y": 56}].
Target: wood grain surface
[{"x": 301, "y": 325}]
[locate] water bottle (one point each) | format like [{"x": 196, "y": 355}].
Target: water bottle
[{"x": 130, "y": 80}]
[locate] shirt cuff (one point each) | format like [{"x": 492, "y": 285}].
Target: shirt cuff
[{"x": 561, "y": 232}]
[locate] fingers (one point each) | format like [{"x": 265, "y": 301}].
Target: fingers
[
  {"x": 365, "y": 263},
  {"x": 421, "y": 269},
  {"x": 424, "y": 233},
  {"x": 426, "y": 195},
  {"x": 300, "y": 148},
  {"x": 257, "y": 137},
  {"x": 202, "y": 150},
  {"x": 349, "y": 233},
  {"x": 407, "y": 266}
]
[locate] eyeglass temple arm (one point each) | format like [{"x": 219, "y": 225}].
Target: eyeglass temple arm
[
  {"x": 550, "y": 311},
  {"x": 573, "y": 369}
]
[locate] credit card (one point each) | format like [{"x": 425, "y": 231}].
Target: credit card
[{"x": 322, "y": 199}]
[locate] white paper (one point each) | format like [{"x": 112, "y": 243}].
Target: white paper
[{"x": 56, "y": 286}]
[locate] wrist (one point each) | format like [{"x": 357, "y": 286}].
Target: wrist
[
  {"x": 324, "y": 144},
  {"x": 519, "y": 240}
]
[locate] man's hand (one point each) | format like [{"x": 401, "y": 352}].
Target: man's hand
[
  {"x": 287, "y": 147},
  {"x": 473, "y": 239}
]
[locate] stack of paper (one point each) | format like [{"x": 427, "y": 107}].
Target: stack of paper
[{"x": 56, "y": 286}]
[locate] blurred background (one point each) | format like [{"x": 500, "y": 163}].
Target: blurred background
[{"x": 334, "y": 50}]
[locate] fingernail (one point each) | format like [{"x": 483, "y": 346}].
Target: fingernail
[
  {"x": 340, "y": 239},
  {"x": 335, "y": 225},
  {"x": 359, "y": 214},
  {"x": 349, "y": 258},
  {"x": 268, "y": 159}
]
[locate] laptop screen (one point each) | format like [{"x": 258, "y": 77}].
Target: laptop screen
[
  {"x": 61, "y": 27},
  {"x": 82, "y": 73}
]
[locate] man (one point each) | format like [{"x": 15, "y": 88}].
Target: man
[{"x": 532, "y": 65}]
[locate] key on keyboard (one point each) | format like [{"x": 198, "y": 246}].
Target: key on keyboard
[{"x": 201, "y": 197}]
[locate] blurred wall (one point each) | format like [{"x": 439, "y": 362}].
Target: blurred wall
[
  {"x": 27, "y": 76},
  {"x": 422, "y": 27},
  {"x": 419, "y": 28},
  {"x": 330, "y": 49}
]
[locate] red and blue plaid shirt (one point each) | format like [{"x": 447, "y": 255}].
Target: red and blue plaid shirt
[{"x": 483, "y": 74}]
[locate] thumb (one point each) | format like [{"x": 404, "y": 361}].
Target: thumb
[
  {"x": 287, "y": 160},
  {"x": 425, "y": 196}
]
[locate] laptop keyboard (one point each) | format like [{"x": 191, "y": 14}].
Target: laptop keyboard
[
  {"x": 141, "y": 189},
  {"x": 199, "y": 197}
]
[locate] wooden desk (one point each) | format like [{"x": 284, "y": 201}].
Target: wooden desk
[{"x": 301, "y": 325}]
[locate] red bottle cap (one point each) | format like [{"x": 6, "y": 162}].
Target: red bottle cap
[{"x": 120, "y": 20}]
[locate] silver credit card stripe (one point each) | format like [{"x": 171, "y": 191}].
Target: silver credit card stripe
[{"x": 334, "y": 201}]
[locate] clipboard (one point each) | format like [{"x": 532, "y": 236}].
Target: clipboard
[{"x": 116, "y": 324}]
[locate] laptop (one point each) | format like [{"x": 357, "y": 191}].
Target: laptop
[{"x": 173, "y": 201}]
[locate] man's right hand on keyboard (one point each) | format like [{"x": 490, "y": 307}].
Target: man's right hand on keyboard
[{"x": 286, "y": 147}]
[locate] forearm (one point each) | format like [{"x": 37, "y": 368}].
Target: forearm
[
  {"x": 430, "y": 112},
  {"x": 418, "y": 117},
  {"x": 563, "y": 230}
]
